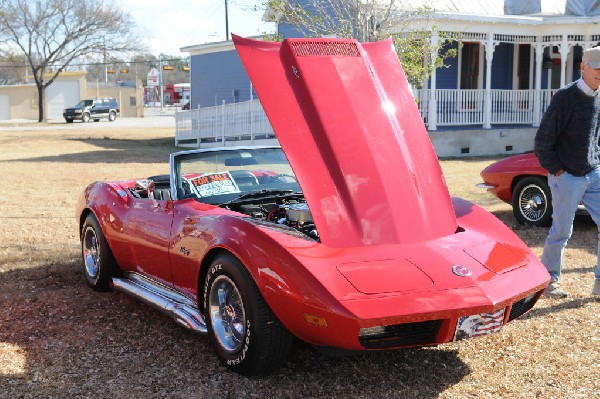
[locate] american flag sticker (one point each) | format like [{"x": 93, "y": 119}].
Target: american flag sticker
[{"x": 478, "y": 325}]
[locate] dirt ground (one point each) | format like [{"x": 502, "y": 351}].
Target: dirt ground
[{"x": 59, "y": 338}]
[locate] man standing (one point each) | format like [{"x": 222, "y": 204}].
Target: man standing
[{"x": 567, "y": 146}]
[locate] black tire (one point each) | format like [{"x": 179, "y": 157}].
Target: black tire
[
  {"x": 532, "y": 202},
  {"x": 99, "y": 264},
  {"x": 85, "y": 118},
  {"x": 246, "y": 335},
  {"x": 112, "y": 115},
  {"x": 69, "y": 120}
]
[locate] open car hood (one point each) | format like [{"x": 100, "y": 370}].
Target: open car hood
[{"x": 349, "y": 125}]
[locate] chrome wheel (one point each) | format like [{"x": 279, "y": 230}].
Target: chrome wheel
[
  {"x": 246, "y": 335},
  {"x": 226, "y": 310},
  {"x": 99, "y": 264},
  {"x": 91, "y": 254},
  {"x": 533, "y": 203}
]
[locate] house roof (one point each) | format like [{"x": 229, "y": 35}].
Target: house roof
[
  {"x": 205, "y": 48},
  {"x": 538, "y": 14},
  {"x": 517, "y": 7},
  {"x": 479, "y": 7},
  {"x": 541, "y": 16}
]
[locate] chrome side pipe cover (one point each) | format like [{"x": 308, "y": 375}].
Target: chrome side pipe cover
[{"x": 182, "y": 309}]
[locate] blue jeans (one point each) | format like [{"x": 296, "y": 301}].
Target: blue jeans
[{"x": 567, "y": 192}]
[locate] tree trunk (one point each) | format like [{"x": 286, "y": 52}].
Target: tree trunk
[{"x": 40, "y": 103}]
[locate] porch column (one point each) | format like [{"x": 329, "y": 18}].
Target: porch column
[
  {"x": 487, "y": 101},
  {"x": 432, "y": 110},
  {"x": 564, "y": 53},
  {"x": 537, "y": 99}
]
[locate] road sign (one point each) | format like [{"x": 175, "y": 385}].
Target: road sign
[{"x": 153, "y": 77}]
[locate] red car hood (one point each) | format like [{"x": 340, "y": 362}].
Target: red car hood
[{"x": 350, "y": 127}]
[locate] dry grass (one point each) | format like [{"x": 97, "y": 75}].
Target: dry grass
[{"x": 59, "y": 338}]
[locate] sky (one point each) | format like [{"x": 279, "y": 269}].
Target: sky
[{"x": 168, "y": 25}]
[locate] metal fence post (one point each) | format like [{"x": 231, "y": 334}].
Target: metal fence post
[
  {"x": 251, "y": 108},
  {"x": 223, "y": 123}
]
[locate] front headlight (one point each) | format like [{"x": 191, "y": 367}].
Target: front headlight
[{"x": 78, "y": 111}]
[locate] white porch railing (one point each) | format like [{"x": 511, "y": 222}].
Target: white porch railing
[
  {"x": 246, "y": 122},
  {"x": 227, "y": 124},
  {"x": 466, "y": 107}
]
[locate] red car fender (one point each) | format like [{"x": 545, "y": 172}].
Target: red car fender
[
  {"x": 104, "y": 201},
  {"x": 288, "y": 287},
  {"x": 502, "y": 174}
]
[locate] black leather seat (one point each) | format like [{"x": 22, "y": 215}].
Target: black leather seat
[{"x": 162, "y": 190}]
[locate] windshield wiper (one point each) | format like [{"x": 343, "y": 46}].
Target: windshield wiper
[{"x": 259, "y": 194}]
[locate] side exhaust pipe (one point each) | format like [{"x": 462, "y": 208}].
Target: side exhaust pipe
[{"x": 180, "y": 308}]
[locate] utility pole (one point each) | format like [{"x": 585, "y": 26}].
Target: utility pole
[
  {"x": 226, "y": 22},
  {"x": 160, "y": 81},
  {"x": 104, "y": 59}
]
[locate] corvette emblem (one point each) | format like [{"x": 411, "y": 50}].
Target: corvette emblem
[{"x": 461, "y": 270}]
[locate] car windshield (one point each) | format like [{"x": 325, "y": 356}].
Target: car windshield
[
  {"x": 223, "y": 176},
  {"x": 85, "y": 103}
]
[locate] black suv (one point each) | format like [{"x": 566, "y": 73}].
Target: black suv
[{"x": 93, "y": 109}]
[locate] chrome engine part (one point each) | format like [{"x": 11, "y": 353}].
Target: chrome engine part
[{"x": 298, "y": 213}]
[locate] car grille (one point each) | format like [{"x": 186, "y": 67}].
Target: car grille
[
  {"x": 523, "y": 306},
  {"x": 420, "y": 333}
]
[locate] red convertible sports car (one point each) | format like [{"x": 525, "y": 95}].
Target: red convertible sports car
[
  {"x": 520, "y": 180},
  {"x": 346, "y": 237}
]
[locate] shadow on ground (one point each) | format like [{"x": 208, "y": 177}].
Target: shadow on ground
[
  {"x": 73, "y": 341},
  {"x": 116, "y": 151}
]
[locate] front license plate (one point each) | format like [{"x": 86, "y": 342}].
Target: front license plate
[{"x": 478, "y": 325}]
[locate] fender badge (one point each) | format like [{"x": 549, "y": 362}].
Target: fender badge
[{"x": 461, "y": 270}]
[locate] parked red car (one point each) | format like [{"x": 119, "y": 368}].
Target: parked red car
[
  {"x": 519, "y": 180},
  {"x": 346, "y": 237}
]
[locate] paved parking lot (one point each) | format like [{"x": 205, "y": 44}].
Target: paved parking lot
[{"x": 153, "y": 117}]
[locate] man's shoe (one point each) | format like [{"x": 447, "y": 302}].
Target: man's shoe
[
  {"x": 596, "y": 289},
  {"x": 554, "y": 290}
]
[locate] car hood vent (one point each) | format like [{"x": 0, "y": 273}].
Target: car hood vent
[{"x": 315, "y": 48}]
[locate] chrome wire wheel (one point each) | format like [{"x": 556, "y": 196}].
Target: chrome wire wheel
[
  {"x": 99, "y": 264},
  {"x": 226, "y": 310},
  {"x": 533, "y": 203},
  {"x": 91, "y": 253}
]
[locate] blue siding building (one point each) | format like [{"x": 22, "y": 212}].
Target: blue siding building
[
  {"x": 218, "y": 77},
  {"x": 511, "y": 57}
]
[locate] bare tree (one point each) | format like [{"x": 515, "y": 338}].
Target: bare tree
[
  {"x": 12, "y": 70},
  {"x": 175, "y": 68},
  {"x": 52, "y": 34},
  {"x": 177, "y": 72},
  {"x": 366, "y": 21}
]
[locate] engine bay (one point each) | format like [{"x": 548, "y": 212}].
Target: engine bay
[{"x": 291, "y": 211}]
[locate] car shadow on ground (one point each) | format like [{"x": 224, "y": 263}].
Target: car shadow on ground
[
  {"x": 60, "y": 338},
  {"x": 153, "y": 151}
]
